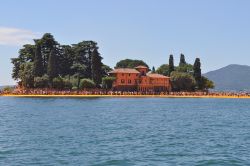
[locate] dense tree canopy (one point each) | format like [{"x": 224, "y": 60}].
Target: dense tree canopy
[
  {"x": 163, "y": 69},
  {"x": 188, "y": 68},
  {"x": 185, "y": 77},
  {"x": 47, "y": 61},
  {"x": 78, "y": 66},
  {"x": 130, "y": 63},
  {"x": 182, "y": 81}
]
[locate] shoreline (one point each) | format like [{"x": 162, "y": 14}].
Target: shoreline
[{"x": 130, "y": 96}]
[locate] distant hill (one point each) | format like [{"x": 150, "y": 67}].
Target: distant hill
[{"x": 231, "y": 78}]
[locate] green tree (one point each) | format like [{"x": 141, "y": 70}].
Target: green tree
[
  {"x": 107, "y": 82},
  {"x": 26, "y": 75},
  {"x": 38, "y": 62},
  {"x": 80, "y": 69},
  {"x": 26, "y": 54},
  {"x": 48, "y": 43},
  {"x": 187, "y": 68},
  {"x": 51, "y": 58},
  {"x": 163, "y": 69},
  {"x": 182, "y": 81},
  {"x": 52, "y": 66},
  {"x": 83, "y": 56},
  {"x": 16, "y": 68},
  {"x": 206, "y": 83},
  {"x": 130, "y": 63},
  {"x": 182, "y": 60},
  {"x": 96, "y": 65},
  {"x": 171, "y": 64},
  {"x": 105, "y": 70},
  {"x": 65, "y": 61},
  {"x": 197, "y": 73}
]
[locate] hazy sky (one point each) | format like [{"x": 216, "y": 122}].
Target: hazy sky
[{"x": 217, "y": 31}]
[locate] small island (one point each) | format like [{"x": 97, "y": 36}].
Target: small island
[{"x": 48, "y": 68}]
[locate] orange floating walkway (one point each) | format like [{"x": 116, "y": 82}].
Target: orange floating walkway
[{"x": 133, "y": 96}]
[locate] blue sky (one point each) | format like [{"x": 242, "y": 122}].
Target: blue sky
[{"x": 217, "y": 31}]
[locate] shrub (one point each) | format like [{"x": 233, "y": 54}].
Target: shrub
[
  {"x": 74, "y": 88},
  {"x": 87, "y": 83},
  {"x": 8, "y": 89},
  {"x": 67, "y": 84},
  {"x": 74, "y": 80},
  {"x": 41, "y": 82},
  {"x": 107, "y": 82},
  {"x": 58, "y": 83}
]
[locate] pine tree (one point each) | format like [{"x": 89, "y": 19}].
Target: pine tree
[
  {"x": 38, "y": 62},
  {"x": 182, "y": 60},
  {"x": 153, "y": 69},
  {"x": 197, "y": 73},
  {"x": 171, "y": 64},
  {"x": 52, "y": 65},
  {"x": 96, "y": 66}
]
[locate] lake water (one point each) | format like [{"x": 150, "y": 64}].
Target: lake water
[{"x": 120, "y": 131}]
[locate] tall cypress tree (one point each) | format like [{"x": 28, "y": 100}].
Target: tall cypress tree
[
  {"x": 197, "y": 72},
  {"x": 96, "y": 66},
  {"x": 38, "y": 62},
  {"x": 153, "y": 69},
  {"x": 52, "y": 65},
  {"x": 171, "y": 64},
  {"x": 182, "y": 60}
]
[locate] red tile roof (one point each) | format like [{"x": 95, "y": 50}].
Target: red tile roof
[
  {"x": 125, "y": 70},
  {"x": 154, "y": 75}
]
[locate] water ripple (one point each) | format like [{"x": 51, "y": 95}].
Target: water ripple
[{"x": 111, "y": 131}]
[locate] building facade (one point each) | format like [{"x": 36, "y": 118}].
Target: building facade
[{"x": 139, "y": 79}]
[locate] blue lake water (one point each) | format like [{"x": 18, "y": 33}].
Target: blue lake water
[{"x": 119, "y": 131}]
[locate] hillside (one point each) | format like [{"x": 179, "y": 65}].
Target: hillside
[{"x": 232, "y": 77}]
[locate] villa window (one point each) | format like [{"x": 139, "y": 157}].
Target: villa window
[
  {"x": 129, "y": 81},
  {"x": 122, "y": 81},
  {"x": 128, "y": 74}
]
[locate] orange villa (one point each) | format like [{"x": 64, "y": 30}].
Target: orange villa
[{"x": 139, "y": 79}]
